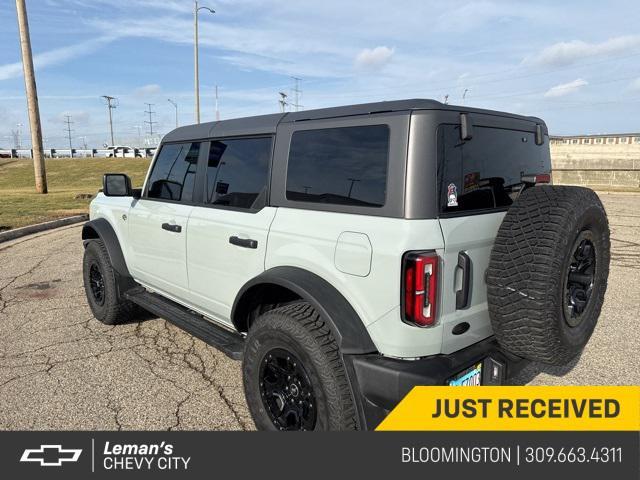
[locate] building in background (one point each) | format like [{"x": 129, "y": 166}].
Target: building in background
[{"x": 602, "y": 162}]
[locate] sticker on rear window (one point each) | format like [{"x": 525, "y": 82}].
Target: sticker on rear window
[{"x": 452, "y": 195}]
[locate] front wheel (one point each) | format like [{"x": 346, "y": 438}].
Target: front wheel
[
  {"x": 294, "y": 377},
  {"x": 100, "y": 286}
]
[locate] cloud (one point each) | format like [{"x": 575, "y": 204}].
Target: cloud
[
  {"x": 77, "y": 116},
  {"x": 567, "y": 53},
  {"x": 565, "y": 88},
  {"x": 635, "y": 85},
  {"x": 54, "y": 57},
  {"x": 371, "y": 58},
  {"x": 148, "y": 90}
]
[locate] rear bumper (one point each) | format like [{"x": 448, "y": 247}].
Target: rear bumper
[{"x": 382, "y": 381}]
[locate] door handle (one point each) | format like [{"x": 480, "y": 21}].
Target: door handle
[
  {"x": 462, "y": 295},
  {"x": 243, "y": 242},
  {"x": 172, "y": 227}
]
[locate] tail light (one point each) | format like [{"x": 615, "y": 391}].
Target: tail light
[
  {"x": 536, "y": 179},
  {"x": 419, "y": 288}
]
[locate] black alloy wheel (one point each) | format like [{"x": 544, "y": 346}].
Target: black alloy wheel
[
  {"x": 96, "y": 283},
  {"x": 580, "y": 275},
  {"x": 286, "y": 391}
]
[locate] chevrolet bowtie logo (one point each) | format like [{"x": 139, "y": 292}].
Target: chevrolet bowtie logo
[{"x": 50, "y": 455}]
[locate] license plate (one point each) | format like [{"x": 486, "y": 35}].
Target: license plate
[{"x": 472, "y": 376}]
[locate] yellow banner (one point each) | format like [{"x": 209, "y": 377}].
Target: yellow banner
[{"x": 517, "y": 408}]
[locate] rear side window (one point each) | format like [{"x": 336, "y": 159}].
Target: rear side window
[
  {"x": 343, "y": 166},
  {"x": 485, "y": 172},
  {"x": 174, "y": 172},
  {"x": 238, "y": 171}
]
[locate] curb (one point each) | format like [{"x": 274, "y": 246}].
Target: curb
[{"x": 40, "y": 227}]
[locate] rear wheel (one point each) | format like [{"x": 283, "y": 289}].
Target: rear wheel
[
  {"x": 101, "y": 288},
  {"x": 548, "y": 273},
  {"x": 294, "y": 377}
]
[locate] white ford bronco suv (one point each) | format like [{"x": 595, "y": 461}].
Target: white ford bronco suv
[{"x": 348, "y": 254}]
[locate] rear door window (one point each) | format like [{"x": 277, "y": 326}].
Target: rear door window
[
  {"x": 174, "y": 172},
  {"x": 485, "y": 172},
  {"x": 343, "y": 166},
  {"x": 238, "y": 172}
]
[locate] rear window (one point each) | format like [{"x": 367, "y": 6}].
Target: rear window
[
  {"x": 342, "y": 166},
  {"x": 485, "y": 172}
]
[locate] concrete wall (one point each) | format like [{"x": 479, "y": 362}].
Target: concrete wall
[{"x": 608, "y": 166}]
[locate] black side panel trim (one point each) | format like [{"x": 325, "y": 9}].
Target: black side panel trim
[
  {"x": 106, "y": 233},
  {"x": 348, "y": 329}
]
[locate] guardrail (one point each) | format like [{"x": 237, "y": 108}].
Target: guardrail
[{"x": 78, "y": 153}]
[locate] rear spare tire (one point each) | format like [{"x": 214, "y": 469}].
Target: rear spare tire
[{"x": 548, "y": 273}]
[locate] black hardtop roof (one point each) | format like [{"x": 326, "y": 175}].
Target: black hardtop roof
[{"x": 267, "y": 124}]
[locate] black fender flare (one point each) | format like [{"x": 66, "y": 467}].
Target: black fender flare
[
  {"x": 102, "y": 229},
  {"x": 348, "y": 329}
]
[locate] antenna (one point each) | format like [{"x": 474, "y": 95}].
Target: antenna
[{"x": 150, "y": 122}]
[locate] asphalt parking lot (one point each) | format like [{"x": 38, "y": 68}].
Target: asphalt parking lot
[{"x": 62, "y": 369}]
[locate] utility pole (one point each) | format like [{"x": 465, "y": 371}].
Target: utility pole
[
  {"x": 84, "y": 141},
  {"x": 112, "y": 102},
  {"x": 175, "y": 105},
  {"x": 296, "y": 93},
  {"x": 68, "y": 130},
  {"x": 18, "y": 135},
  {"x": 217, "y": 111},
  {"x": 150, "y": 122},
  {"x": 196, "y": 75},
  {"x": 283, "y": 101},
  {"x": 139, "y": 136},
  {"x": 32, "y": 98}
]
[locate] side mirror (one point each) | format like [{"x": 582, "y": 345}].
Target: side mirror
[{"x": 116, "y": 185}]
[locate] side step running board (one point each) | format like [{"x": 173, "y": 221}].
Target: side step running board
[{"x": 230, "y": 343}]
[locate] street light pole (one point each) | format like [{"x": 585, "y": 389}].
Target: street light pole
[
  {"x": 175, "y": 105},
  {"x": 196, "y": 9},
  {"x": 32, "y": 98}
]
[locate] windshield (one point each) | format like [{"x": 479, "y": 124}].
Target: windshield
[{"x": 485, "y": 172}]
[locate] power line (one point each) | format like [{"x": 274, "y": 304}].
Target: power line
[
  {"x": 112, "y": 103},
  {"x": 150, "y": 122},
  {"x": 69, "y": 131},
  {"x": 296, "y": 93}
]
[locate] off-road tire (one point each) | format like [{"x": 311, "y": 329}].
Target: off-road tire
[
  {"x": 113, "y": 309},
  {"x": 527, "y": 278},
  {"x": 299, "y": 329}
]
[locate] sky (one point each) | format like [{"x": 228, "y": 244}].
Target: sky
[{"x": 574, "y": 63}]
